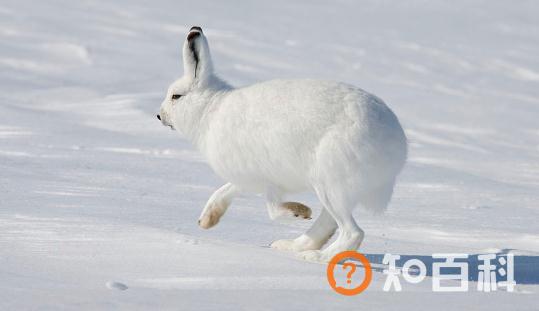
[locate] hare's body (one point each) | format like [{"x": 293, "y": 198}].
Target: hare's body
[
  {"x": 288, "y": 133},
  {"x": 286, "y": 136}
]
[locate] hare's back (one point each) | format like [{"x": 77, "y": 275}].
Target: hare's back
[{"x": 302, "y": 105}]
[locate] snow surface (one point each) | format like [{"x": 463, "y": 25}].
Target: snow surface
[{"x": 99, "y": 202}]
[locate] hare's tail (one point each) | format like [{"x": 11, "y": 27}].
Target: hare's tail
[{"x": 377, "y": 199}]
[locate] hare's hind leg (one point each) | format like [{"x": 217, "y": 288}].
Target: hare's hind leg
[
  {"x": 339, "y": 205},
  {"x": 217, "y": 205},
  {"x": 319, "y": 233}
]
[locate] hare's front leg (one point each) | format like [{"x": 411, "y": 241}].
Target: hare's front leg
[{"x": 217, "y": 205}]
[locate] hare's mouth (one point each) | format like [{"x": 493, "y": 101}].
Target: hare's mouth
[{"x": 164, "y": 123}]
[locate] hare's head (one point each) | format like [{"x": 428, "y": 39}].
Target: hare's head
[{"x": 197, "y": 76}]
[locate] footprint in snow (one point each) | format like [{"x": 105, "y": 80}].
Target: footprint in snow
[{"x": 116, "y": 285}]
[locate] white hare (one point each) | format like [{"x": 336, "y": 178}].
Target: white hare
[{"x": 288, "y": 136}]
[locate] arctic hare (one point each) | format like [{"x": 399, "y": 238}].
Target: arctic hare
[{"x": 287, "y": 136}]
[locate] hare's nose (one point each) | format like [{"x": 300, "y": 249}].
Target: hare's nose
[{"x": 159, "y": 117}]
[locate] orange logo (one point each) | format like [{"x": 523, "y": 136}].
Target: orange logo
[{"x": 341, "y": 257}]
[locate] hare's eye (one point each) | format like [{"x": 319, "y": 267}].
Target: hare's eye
[{"x": 176, "y": 96}]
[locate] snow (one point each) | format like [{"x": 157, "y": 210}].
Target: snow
[{"x": 99, "y": 203}]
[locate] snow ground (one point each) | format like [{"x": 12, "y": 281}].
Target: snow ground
[{"x": 97, "y": 196}]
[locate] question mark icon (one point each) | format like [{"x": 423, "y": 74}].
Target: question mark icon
[
  {"x": 352, "y": 257},
  {"x": 352, "y": 267}
]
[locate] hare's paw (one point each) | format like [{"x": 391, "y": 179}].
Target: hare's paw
[
  {"x": 217, "y": 205},
  {"x": 346, "y": 241},
  {"x": 323, "y": 256},
  {"x": 283, "y": 244},
  {"x": 302, "y": 243},
  {"x": 296, "y": 209},
  {"x": 212, "y": 215},
  {"x": 314, "y": 256}
]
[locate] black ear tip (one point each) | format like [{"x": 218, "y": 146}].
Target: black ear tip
[
  {"x": 195, "y": 28},
  {"x": 192, "y": 35}
]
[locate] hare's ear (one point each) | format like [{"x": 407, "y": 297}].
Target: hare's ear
[{"x": 197, "y": 62}]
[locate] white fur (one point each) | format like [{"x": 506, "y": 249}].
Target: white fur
[{"x": 286, "y": 136}]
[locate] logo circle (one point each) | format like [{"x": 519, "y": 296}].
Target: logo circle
[{"x": 331, "y": 273}]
